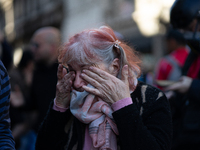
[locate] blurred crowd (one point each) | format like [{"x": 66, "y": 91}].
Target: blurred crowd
[{"x": 33, "y": 83}]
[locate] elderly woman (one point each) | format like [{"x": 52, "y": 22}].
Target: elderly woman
[{"x": 99, "y": 103}]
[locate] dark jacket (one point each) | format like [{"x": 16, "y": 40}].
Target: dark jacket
[
  {"x": 145, "y": 124},
  {"x": 186, "y": 112},
  {"x": 6, "y": 138},
  {"x": 43, "y": 89}
]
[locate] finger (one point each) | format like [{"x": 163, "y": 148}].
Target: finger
[
  {"x": 68, "y": 86},
  {"x": 68, "y": 78},
  {"x": 66, "y": 83},
  {"x": 91, "y": 90},
  {"x": 124, "y": 76},
  {"x": 64, "y": 71},
  {"x": 60, "y": 72},
  {"x": 91, "y": 79},
  {"x": 92, "y": 75},
  {"x": 67, "y": 70},
  {"x": 103, "y": 74}
]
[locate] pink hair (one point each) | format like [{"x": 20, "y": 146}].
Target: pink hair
[{"x": 99, "y": 45}]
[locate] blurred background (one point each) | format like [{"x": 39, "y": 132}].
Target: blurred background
[{"x": 142, "y": 23}]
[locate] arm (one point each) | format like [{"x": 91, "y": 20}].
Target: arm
[
  {"x": 6, "y": 138},
  {"x": 52, "y": 133},
  {"x": 187, "y": 86},
  {"x": 152, "y": 130},
  {"x": 194, "y": 90}
]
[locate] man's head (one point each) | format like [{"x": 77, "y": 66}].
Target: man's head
[
  {"x": 44, "y": 44},
  {"x": 174, "y": 40},
  {"x": 184, "y": 13}
]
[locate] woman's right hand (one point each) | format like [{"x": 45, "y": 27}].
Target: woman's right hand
[{"x": 63, "y": 87}]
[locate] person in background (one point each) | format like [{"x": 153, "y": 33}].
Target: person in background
[
  {"x": 44, "y": 45},
  {"x": 185, "y": 15},
  {"x": 6, "y": 52},
  {"x": 21, "y": 80},
  {"x": 6, "y": 138},
  {"x": 100, "y": 104},
  {"x": 147, "y": 68},
  {"x": 170, "y": 66}
]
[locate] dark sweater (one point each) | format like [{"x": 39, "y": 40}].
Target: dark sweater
[
  {"x": 145, "y": 124},
  {"x": 6, "y": 138},
  {"x": 43, "y": 89}
]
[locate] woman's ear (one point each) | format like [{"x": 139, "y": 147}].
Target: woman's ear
[{"x": 114, "y": 67}]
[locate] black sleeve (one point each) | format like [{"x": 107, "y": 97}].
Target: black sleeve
[
  {"x": 194, "y": 91},
  {"x": 7, "y": 55},
  {"x": 151, "y": 130},
  {"x": 51, "y": 134}
]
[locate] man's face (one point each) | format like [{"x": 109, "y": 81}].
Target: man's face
[
  {"x": 192, "y": 26},
  {"x": 40, "y": 48},
  {"x": 171, "y": 45}
]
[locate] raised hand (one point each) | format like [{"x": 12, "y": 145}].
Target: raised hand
[
  {"x": 64, "y": 87},
  {"x": 107, "y": 87}
]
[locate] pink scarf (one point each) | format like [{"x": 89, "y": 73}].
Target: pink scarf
[{"x": 91, "y": 110}]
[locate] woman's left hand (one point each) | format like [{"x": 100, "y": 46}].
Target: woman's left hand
[{"x": 108, "y": 87}]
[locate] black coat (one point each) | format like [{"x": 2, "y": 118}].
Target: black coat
[
  {"x": 145, "y": 124},
  {"x": 43, "y": 90},
  {"x": 186, "y": 113}
]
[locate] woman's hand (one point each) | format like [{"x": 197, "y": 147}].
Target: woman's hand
[
  {"x": 63, "y": 87},
  {"x": 108, "y": 87}
]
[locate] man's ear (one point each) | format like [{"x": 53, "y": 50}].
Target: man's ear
[{"x": 114, "y": 67}]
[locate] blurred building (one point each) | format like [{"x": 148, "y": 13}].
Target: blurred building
[
  {"x": 23, "y": 17},
  {"x": 141, "y": 23}
]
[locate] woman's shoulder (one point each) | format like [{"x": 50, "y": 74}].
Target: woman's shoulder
[{"x": 148, "y": 93}]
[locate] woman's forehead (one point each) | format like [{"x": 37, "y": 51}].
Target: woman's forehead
[{"x": 84, "y": 65}]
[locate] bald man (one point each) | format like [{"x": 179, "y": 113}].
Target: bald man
[{"x": 44, "y": 44}]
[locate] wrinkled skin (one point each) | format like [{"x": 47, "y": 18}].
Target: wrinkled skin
[
  {"x": 107, "y": 86},
  {"x": 63, "y": 87}
]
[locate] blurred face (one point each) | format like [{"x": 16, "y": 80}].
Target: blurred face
[
  {"x": 171, "y": 45},
  {"x": 192, "y": 26},
  {"x": 40, "y": 48},
  {"x": 77, "y": 69}
]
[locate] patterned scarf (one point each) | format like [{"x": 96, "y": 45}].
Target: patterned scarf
[{"x": 91, "y": 110}]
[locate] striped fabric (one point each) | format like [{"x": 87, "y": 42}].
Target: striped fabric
[{"x": 6, "y": 138}]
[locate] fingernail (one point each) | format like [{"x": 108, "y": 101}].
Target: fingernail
[
  {"x": 91, "y": 67},
  {"x": 82, "y": 74}
]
